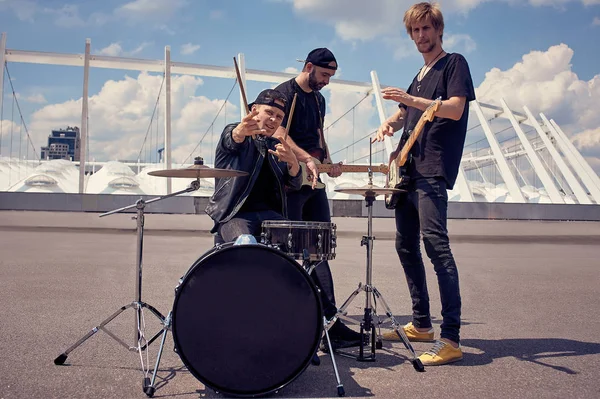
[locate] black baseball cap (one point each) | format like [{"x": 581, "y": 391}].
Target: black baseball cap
[
  {"x": 270, "y": 97},
  {"x": 322, "y": 57}
]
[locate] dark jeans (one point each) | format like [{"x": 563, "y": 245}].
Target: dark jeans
[
  {"x": 251, "y": 223},
  {"x": 312, "y": 205},
  {"x": 245, "y": 223},
  {"x": 423, "y": 210}
]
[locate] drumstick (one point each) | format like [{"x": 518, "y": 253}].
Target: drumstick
[
  {"x": 239, "y": 79},
  {"x": 289, "y": 121}
]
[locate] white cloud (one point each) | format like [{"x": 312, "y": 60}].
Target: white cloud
[
  {"x": 544, "y": 82},
  {"x": 36, "y": 99},
  {"x": 189, "y": 48},
  {"x": 120, "y": 113},
  {"x": 596, "y": 21},
  {"x": 403, "y": 47},
  {"x": 589, "y": 138},
  {"x": 115, "y": 49},
  {"x": 139, "y": 48},
  {"x": 366, "y": 20},
  {"x": 291, "y": 70},
  {"x": 459, "y": 43},
  {"x": 149, "y": 10},
  {"x": 166, "y": 29},
  {"x": 24, "y": 9}
]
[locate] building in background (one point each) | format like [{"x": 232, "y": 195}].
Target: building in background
[{"x": 62, "y": 144}]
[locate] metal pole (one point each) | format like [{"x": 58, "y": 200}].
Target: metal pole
[
  {"x": 84, "y": 113},
  {"x": 168, "y": 114},
  {"x": 3, "y": 61},
  {"x": 389, "y": 148}
]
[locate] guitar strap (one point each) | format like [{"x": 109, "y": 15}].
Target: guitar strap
[
  {"x": 321, "y": 123},
  {"x": 407, "y": 132}
]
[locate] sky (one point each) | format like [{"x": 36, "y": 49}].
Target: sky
[{"x": 540, "y": 53}]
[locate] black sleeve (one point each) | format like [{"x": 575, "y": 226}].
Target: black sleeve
[
  {"x": 458, "y": 80},
  {"x": 226, "y": 142},
  {"x": 294, "y": 182}
]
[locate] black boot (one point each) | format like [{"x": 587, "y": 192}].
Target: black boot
[{"x": 342, "y": 337}]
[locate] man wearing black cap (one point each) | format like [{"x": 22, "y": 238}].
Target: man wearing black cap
[
  {"x": 239, "y": 205},
  {"x": 306, "y": 139}
]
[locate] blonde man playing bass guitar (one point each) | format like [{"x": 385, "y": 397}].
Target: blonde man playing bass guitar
[{"x": 436, "y": 154}]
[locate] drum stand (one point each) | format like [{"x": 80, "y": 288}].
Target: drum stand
[
  {"x": 371, "y": 296},
  {"x": 309, "y": 267},
  {"x": 137, "y": 304}
]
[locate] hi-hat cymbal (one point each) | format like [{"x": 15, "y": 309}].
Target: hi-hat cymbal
[
  {"x": 197, "y": 171},
  {"x": 369, "y": 190}
]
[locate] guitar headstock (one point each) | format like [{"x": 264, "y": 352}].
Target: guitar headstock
[{"x": 432, "y": 109}]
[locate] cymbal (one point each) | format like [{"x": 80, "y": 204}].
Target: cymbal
[
  {"x": 197, "y": 172},
  {"x": 369, "y": 190}
]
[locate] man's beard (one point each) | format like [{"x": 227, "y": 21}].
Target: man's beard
[
  {"x": 429, "y": 48},
  {"x": 312, "y": 81}
]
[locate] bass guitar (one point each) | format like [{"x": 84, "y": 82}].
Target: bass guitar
[
  {"x": 317, "y": 156},
  {"x": 397, "y": 172}
]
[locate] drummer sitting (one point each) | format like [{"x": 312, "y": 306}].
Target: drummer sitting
[{"x": 239, "y": 205}]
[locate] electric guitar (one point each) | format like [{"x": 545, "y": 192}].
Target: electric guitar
[
  {"x": 317, "y": 155},
  {"x": 397, "y": 174}
]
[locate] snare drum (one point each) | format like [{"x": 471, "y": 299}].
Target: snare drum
[
  {"x": 293, "y": 237},
  {"x": 247, "y": 319}
]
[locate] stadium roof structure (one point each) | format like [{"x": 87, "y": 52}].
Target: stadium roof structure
[{"x": 519, "y": 157}]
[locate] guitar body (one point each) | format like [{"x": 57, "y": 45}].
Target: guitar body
[
  {"x": 397, "y": 178},
  {"x": 398, "y": 174},
  {"x": 306, "y": 175},
  {"x": 318, "y": 156}
]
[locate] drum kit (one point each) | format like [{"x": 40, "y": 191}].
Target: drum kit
[{"x": 264, "y": 322}]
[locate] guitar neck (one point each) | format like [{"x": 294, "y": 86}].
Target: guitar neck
[
  {"x": 326, "y": 168},
  {"x": 401, "y": 160}
]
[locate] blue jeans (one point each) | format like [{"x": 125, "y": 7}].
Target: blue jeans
[
  {"x": 245, "y": 223},
  {"x": 423, "y": 210},
  {"x": 311, "y": 205}
]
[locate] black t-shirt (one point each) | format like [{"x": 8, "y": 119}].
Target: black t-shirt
[
  {"x": 438, "y": 150},
  {"x": 263, "y": 195},
  {"x": 307, "y": 120}
]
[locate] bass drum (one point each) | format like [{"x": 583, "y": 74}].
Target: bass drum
[{"x": 247, "y": 319}]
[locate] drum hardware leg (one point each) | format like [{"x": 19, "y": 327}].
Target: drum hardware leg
[
  {"x": 148, "y": 386},
  {"x": 340, "y": 386},
  {"x": 416, "y": 362},
  {"x": 371, "y": 296},
  {"x": 290, "y": 242},
  {"x": 137, "y": 304}
]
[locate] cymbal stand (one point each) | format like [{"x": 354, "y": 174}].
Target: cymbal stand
[
  {"x": 372, "y": 294},
  {"x": 137, "y": 304}
]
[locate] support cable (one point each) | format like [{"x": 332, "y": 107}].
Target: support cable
[
  {"x": 20, "y": 113},
  {"x": 212, "y": 123},
  {"x": 151, "y": 119}
]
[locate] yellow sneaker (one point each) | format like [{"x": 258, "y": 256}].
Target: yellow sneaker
[
  {"x": 441, "y": 353},
  {"x": 411, "y": 333}
]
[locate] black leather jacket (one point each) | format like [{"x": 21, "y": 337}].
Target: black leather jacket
[{"x": 248, "y": 156}]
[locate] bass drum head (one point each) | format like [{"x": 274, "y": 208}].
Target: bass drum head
[{"x": 247, "y": 320}]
